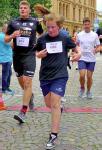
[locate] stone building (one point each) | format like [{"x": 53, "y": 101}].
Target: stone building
[{"x": 74, "y": 11}]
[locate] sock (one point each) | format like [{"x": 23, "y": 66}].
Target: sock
[
  {"x": 24, "y": 109},
  {"x": 83, "y": 88},
  {"x": 53, "y": 135}
]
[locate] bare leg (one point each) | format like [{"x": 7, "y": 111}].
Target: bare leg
[
  {"x": 89, "y": 80},
  {"x": 55, "y": 112},
  {"x": 82, "y": 78}
]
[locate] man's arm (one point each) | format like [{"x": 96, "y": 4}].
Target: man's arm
[{"x": 8, "y": 38}]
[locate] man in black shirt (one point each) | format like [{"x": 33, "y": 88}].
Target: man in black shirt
[
  {"x": 99, "y": 32},
  {"x": 52, "y": 49},
  {"x": 23, "y": 32}
]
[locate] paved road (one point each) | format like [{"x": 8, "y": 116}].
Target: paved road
[{"x": 79, "y": 131}]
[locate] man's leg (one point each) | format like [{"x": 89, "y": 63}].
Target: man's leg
[
  {"x": 53, "y": 101},
  {"x": 26, "y": 98},
  {"x": 89, "y": 84},
  {"x": 82, "y": 82},
  {"x": 82, "y": 78},
  {"x": 89, "y": 80},
  {"x": 9, "y": 79},
  {"x": 55, "y": 112},
  {"x": 5, "y": 72},
  {"x": 82, "y": 67},
  {"x": 21, "y": 82},
  {"x": 47, "y": 99}
]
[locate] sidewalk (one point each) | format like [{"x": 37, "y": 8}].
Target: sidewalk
[{"x": 81, "y": 123}]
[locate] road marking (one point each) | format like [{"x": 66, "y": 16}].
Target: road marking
[{"x": 66, "y": 109}]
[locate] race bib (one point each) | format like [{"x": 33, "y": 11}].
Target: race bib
[
  {"x": 22, "y": 41},
  {"x": 54, "y": 47}
]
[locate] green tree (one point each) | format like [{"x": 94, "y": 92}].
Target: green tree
[
  {"x": 9, "y": 8},
  {"x": 100, "y": 24}
]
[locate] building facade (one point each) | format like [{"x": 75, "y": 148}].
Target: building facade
[{"x": 74, "y": 11}]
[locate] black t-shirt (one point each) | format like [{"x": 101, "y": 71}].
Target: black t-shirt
[
  {"x": 24, "y": 45},
  {"x": 54, "y": 65},
  {"x": 99, "y": 32}
]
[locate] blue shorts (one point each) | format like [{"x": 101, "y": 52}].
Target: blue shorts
[
  {"x": 56, "y": 86},
  {"x": 86, "y": 65}
]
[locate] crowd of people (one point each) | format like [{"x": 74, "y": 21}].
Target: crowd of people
[{"x": 18, "y": 44}]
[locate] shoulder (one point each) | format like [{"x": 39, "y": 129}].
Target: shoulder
[
  {"x": 94, "y": 33},
  {"x": 14, "y": 21},
  {"x": 42, "y": 37},
  {"x": 33, "y": 19}
]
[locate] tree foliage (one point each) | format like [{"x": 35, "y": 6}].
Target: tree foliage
[
  {"x": 9, "y": 8},
  {"x": 100, "y": 24}
]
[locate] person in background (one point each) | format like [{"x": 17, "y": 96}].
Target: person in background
[
  {"x": 99, "y": 32},
  {"x": 6, "y": 61},
  {"x": 89, "y": 44}
]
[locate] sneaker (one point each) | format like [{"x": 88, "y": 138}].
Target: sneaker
[
  {"x": 51, "y": 143},
  {"x": 8, "y": 91},
  {"x": 63, "y": 100},
  {"x": 31, "y": 103},
  {"x": 81, "y": 92},
  {"x": 20, "y": 117},
  {"x": 89, "y": 95},
  {"x": 62, "y": 107}
]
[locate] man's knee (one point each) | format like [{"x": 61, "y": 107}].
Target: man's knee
[
  {"x": 55, "y": 105},
  {"x": 27, "y": 82}
]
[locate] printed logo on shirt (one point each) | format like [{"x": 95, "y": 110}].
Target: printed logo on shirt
[
  {"x": 31, "y": 24},
  {"x": 59, "y": 89}
]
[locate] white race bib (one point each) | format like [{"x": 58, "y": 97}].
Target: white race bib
[
  {"x": 54, "y": 47},
  {"x": 22, "y": 41}
]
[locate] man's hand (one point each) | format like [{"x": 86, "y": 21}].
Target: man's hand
[
  {"x": 97, "y": 49},
  {"x": 41, "y": 54},
  {"x": 75, "y": 56},
  {"x": 15, "y": 34},
  {"x": 8, "y": 38}
]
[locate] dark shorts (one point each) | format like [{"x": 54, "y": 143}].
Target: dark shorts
[
  {"x": 24, "y": 65},
  {"x": 86, "y": 65},
  {"x": 56, "y": 86}
]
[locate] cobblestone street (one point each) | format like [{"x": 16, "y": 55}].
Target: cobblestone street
[{"x": 81, "y": 122}]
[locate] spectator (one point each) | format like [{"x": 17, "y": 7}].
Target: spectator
[{"x": 6, "y": 61}]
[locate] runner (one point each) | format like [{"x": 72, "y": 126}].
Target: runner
[
  {"x": 99, "y": 32},
  {"x": 23, "y": 32},
  {"x": 89, "y": 43},
  {"x": 52, "y": 49}
]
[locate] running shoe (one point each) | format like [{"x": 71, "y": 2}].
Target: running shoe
[
  {"x": 51, "y": 143},
  {"x": 20, "y": 117},
  {"x": 89, "y": 95},
  {"x": 81, "y": 92}
]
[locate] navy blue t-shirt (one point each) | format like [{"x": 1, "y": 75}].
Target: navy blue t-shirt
[
  {"x": 54, "y": 66},
  {"x": 24, "y": 45}
]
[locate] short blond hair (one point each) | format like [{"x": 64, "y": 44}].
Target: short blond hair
[
  {"x": 52, "y": 17},
  {"x": 24, "y": 2}
]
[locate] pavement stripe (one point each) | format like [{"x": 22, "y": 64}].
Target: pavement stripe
[{"x": 66, "y": 110}]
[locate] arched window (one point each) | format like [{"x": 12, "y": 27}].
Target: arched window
[
  {"x": 74, "y": 13},
  {"x": 64, "y": 10},
  {"x": 60, "y": 8},
  {"x": 79, "y": 14}
]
